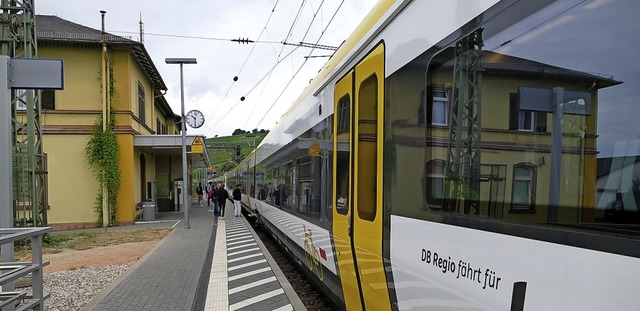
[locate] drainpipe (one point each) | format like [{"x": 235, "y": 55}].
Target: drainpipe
[{"x": 105, "y": 119}]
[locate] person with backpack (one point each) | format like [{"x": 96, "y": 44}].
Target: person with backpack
[
  {"x": 199, "y": 191},
  {"x": 222, "y": 195},
  {"x": 237, "y": 196}
]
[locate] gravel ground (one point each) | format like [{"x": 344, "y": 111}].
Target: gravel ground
[{"x": 73, "y": 289}]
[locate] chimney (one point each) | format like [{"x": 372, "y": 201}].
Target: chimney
[
  {"x": 141, "y": 29},
  {"x": 103, "y": 13}
]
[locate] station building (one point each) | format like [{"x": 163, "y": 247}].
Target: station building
[{"x": 147, "y": 129}]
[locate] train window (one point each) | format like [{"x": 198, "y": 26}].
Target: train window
[
  {"x": 343, "y": 119},
  {"x": 367, "y": 154},
  {"x": 492, "y": 155},
  {"x": 343, "y": 114}
]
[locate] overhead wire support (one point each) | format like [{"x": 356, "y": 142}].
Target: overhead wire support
[{"x": 313, "y": 46}]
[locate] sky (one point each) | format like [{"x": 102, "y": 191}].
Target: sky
[{"x": 270, "y": 74}]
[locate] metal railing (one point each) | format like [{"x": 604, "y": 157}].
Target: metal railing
[{"x": 10, "y": 271}]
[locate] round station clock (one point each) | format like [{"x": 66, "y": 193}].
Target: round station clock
[{"x": 195, "y": 118}]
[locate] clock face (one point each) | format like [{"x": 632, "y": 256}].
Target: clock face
[{"x": 195, "y": 118}]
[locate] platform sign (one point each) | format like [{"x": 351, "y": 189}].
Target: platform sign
[
  {"x": 540, "y": 99},
  {"x": 197, "y": 146},
  {"x": 36, "y": 73}
]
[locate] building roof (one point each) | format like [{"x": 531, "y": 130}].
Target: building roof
[
  {"x": 497, "y": 63},
  {"x": 55, "y": 29}
]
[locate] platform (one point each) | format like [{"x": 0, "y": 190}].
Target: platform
[{"x": 217, "y": 264}]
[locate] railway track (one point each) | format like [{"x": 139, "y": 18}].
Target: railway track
[{"x": 311, "y": 297}]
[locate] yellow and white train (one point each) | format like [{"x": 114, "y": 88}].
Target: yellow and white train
[{"x": 465, "y": 155}]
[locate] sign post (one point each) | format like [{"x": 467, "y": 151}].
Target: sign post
[
  {"x": 197, "y": 146},
  {"x": 18, "y": 73}
]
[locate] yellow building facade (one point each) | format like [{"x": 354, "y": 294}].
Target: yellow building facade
[{"x": 70, "y": 115}]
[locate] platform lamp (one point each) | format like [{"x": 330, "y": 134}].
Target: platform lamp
[{"x": 183, "y": 126}]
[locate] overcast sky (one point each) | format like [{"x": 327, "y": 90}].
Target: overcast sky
[{"x": 203, "y": 30}]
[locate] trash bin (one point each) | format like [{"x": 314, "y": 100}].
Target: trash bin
[{"x": 148, "y": 211}]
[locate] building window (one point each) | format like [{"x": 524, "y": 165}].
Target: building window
[
  {"x": 437, "y": 106},
  {"x": 343, "y": 114},
  {"x": 48, "y": 99},
  {"x": 440, "y": 107},
  {"x": 524, "y": 120},
  {"x": 434, "y": 183},
  {"x": 523, "y": 194},
  {"x": 141, "y": 103}
]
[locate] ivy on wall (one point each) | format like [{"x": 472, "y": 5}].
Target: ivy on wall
[{"x": 101, "y": 153}]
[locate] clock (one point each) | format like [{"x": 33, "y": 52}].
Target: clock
[{"x": 195, "y": 118}]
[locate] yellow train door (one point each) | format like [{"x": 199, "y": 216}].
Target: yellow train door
[
  {"x": 358, "y": 215},
  {"x": 342, "y": 171},
  {"x": 367, "y": 173}
]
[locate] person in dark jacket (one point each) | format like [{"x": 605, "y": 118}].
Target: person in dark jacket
[
  {"x": 237, "y": 196},
  {"x": 222, "y": 195}
]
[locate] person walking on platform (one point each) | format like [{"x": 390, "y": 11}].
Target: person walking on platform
[
  {"x": 222, "y": 195},
  {"x": 237, "y": 196},
  {"x": 210, "y": 192},
  {"x": 199, "y": 191}
]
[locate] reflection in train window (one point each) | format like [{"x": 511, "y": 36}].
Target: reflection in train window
[
  {"x": 343, "y": 114},
  {"x": 439, "y": 106},
  {"x": 434, "y": 183},
  {"x": 524, "y": 188},
  {"x": 500, "y": 140}
]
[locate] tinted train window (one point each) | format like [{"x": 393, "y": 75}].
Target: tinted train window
[
  {"x": 562, "y": 49},
  {"x": 498, "y": 147},
  {"x": 367, "y": 154}
]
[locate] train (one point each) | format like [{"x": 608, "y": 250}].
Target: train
[{"x": 464, "y": 155}]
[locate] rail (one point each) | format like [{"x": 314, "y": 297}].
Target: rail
[{"x": 11, "y": 271}]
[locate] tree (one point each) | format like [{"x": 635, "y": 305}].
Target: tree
[
  {"x": 254, "y": 131},
  {"x": 238, "y": 132}
]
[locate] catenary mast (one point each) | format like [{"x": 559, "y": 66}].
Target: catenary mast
[{"x": 18, "y": 40}]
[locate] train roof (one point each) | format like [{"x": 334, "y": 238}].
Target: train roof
[{"x": 347, "y": 49}]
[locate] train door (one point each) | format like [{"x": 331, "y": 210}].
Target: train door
[
  {"x": 342, "y": 213},
  {"x": 358, "y": 184},
  {"x": 367, "y": 179}
]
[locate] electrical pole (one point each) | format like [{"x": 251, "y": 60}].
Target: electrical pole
[{"x": 18, "y": 40}]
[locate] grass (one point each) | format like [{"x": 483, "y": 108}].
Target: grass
[
  {"x": 221, "y": 157},
  {"x": 56, "y": 243}
]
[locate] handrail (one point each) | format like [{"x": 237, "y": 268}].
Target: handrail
[{"x": 15, "y": 270}]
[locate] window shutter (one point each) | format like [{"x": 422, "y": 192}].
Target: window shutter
[
  {"x": 513, "y": 111},
  {"x": 48, "y": 99}
]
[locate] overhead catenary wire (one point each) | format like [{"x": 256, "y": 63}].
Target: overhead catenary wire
[
  {"x": 242, "y": 67},
  {"x": 306, "y": 58},
  {"x": 278, "y": 60}
]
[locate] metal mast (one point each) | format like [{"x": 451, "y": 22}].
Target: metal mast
[
  {"x": 18, "y": 40},
  {"x": 463, "y": 149}
]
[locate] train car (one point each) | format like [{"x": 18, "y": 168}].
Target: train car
[{"x": 465, "y": 155}]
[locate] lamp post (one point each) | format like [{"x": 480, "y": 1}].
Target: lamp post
[{"x": 183, "y": 125}]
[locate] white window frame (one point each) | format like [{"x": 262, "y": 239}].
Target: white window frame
[
  {"x": 523, "y": 125},
  {"x": 437, "y": 101}
]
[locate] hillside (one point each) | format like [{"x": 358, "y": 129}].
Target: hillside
[{"x": 222, "y": 150}]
